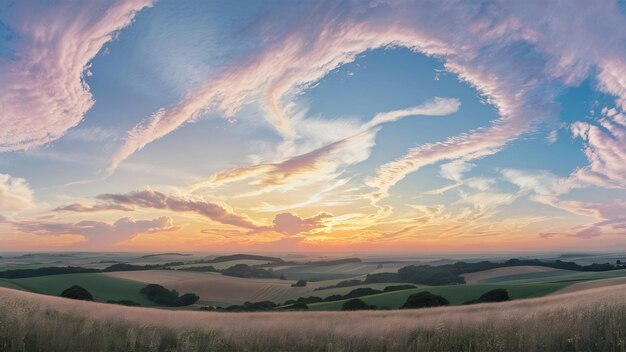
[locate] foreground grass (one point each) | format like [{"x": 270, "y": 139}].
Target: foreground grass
[{"x": 591, "y": 320}]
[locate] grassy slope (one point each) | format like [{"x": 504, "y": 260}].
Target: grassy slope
[
  {"x": 591, "y": 320},
  {"x": 560, "y": 275},
  {"x": 456, "y": 294},
  {"x": 102, "y": 287},
  {"x": 343, "y": 290}
]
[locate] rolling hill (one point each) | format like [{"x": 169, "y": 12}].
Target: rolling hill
[{"x": 594, "y": 322}]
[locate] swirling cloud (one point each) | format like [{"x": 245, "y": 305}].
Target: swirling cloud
[{"x": 43, "y": 87}]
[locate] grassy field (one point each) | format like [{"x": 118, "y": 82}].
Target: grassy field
[
  {"x": 102, "y": 287},
  {"x": 217, "y": 289},
  {"x": 557, "y": 275},
  {"x": 456, "y": 294},
  {"x": 224, "y": 265},
  {"x": 590, "y": 320},
  {"x": 485, "y": 275},
  {"x": 344, "y": 290},
  {"x": 339, "y": 271}
]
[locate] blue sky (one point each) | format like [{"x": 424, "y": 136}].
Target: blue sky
[{"x": 312, "y": 126}]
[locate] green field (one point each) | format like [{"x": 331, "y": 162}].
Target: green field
[
  {"x": 344, "y": 290},
  {"x": 560, "y": 275},
  {"x": 456, "y": 294},
  {"x": 102, "y": 287}
]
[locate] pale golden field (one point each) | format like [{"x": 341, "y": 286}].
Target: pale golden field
[
  {"x": 586, "y": 320},
  {"x": 585, "y": 285},
  {"x": 215, "y": 288}
]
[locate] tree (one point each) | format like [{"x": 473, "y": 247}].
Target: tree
[
  {"x": 77, "y": 292},
  {"x": 497, "y": 295},
  {"x": 423, "y": 300},
  {"x": 299, "y": 283},
  {"x": 187, "y": 299},
  {"x": 355, "y": 304},
  {"x": 165, "y": 297}
]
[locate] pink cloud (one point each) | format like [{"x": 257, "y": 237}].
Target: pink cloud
[
  {"x": 43, "y": 89},
  {"x": 157, "y": 200},
  {"x": 97, "y": 232},
  {"x": 291, "y": 224}
]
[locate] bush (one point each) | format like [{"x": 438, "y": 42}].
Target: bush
[
  {"x": 362, "y": 291},
  {"x": 187, "y": 299},
  {"x": 252, "y": 307},
  {"x": 398, "y": 288},
  {"x": 165, "y": 297},
  {"x": 246, "y": 271},
  {"x": 299, "y": 283},
  {"x": 355, "y": 304},
  {"x": 77, "y": 292},
  {"x": 424, "y": 300},
  {"x": 333, "y": 298},
  {"x": 497, "y": 295}
]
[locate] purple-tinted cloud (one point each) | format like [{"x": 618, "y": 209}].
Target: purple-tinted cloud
[
  {"x": 96, "y": 232},
  {"x": 43, "y": 88}
]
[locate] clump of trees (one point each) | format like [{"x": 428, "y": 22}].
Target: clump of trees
[
  {"x": 399, "y": 288},
  {"x": 299, "y": 283},
  {"x": 204, "y": 268},
  {"x": 356, "y": 304},
  {"x": 361, "y": 291},
  {"x": 345, "y": 283},
  {"x": 46, "y": 271},
  {"x": 247, "y": 271},
  {"x": 497, "y": 295},
  {"x": 171, "y": 298},
  {"x": 77, "y": 292},
  {"x": 424, "y": 300}
]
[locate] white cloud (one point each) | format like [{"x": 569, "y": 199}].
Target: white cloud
[{"x": 15, "y": 194}]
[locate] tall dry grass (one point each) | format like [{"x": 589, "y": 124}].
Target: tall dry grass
[{"x": 590, "y": 320}]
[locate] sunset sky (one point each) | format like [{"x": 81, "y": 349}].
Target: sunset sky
[{"x": 312, "y": 126}]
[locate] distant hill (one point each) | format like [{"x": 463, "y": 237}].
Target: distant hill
[
  {"x": 335, "y": 262},
  {"x": 227, "y": 258},
  {"x": 162, "y": 254}
]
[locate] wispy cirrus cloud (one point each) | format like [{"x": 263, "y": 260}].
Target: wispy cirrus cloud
[
  {"x": 486, "y": 45},
  {"x": 604, "y": 147},
  {"x": 88, "y": 208},
  {"x": 157, "y": 200},
  {"x": 284, "y": 223},
  {"x": 334, "y": 157},
  {"x": 43, "y": 87}
]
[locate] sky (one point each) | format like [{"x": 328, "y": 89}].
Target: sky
[{"x": 370, "y": 125}]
